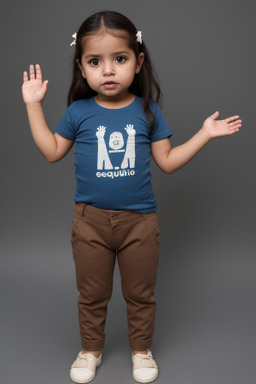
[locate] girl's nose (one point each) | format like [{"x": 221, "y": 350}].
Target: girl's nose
[{"x": 108, "y": 69}]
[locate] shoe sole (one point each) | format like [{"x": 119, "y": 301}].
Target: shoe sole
[
  {"x": 145, "y": 381},
  {"x": 87, "y": 381}
]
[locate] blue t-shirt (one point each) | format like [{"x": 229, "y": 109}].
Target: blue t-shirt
[{"x": 112, "y": 153}]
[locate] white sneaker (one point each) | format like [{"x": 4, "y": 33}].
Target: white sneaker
[
  {"x": 83, "y": 370},
  {"x": 145, "y": 369}
]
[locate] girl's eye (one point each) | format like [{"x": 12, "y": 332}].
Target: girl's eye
[
  {"x": 120, "y": 59},
  {"x": 94, "y": 62}
]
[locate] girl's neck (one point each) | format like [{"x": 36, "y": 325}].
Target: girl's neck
[{"x": 115, "y": 103}]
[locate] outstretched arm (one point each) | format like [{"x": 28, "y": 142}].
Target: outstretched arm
[
  {"x": 171, "y": 159},
  {"x": 53, "y": 146}
]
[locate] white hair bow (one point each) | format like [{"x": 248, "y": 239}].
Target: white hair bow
[
  {"x": 139, "y": 37},
  {"x": 74, "y": 42}
]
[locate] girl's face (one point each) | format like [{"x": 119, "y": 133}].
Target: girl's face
[{"x": 109, "y": 66}]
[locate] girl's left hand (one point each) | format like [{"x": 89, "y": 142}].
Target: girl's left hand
[{"x": 217, "y": 128}]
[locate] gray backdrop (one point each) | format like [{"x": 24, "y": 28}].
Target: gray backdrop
[{"x": 204, "y": 52}]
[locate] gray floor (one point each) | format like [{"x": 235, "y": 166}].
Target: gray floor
[{"x": 205, "y": 329}]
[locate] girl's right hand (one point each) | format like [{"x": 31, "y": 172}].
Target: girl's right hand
[{"x": 33, "y": 89}]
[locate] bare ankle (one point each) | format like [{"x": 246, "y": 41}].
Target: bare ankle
[
  {"x": 134, "y": 352},
  {"x": 94, "y": 353}
]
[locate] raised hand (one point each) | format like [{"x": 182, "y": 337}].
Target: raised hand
[
  {"x": 217, "y": 128},
  {"x": 33, "y": 88},
  {"x": 101, "y": 130},
  {"x": 130, "y": 130}
]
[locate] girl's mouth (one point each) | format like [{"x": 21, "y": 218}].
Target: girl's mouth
[{"x": 109, "y": 85}]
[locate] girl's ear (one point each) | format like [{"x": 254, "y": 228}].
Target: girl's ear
[
  {"x": 81, "y": 69},
  {"x": 140, "y": 61}
]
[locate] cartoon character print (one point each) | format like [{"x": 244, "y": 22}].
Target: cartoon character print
[{"x": 116, "y": 142}]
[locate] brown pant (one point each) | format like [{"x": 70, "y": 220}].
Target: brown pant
[{"x": 98, "y": 236}]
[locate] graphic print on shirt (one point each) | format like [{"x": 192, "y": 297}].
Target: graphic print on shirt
[
  {"x": 130, "y": 148},
  {"x": 116, "y": 143},
  {"x": 103, "y": 158}
]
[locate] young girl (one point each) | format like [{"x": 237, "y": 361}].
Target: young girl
[{"x": 114, "y": 119}]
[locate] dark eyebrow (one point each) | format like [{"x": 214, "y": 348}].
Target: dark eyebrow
[
  {"x": 121, "y": 53},
  {"x": 90, "y": 56}
]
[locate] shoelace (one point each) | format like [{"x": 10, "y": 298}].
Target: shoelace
[
  {"x": 82, "y": 360},
  {"x": 83, "y": 356},
  {"x": 146, "y": 360}
]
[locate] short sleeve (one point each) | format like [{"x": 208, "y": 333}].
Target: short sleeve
[
  {"x": 161, "y": 129},
  {"x": 67, "y": 127}
]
